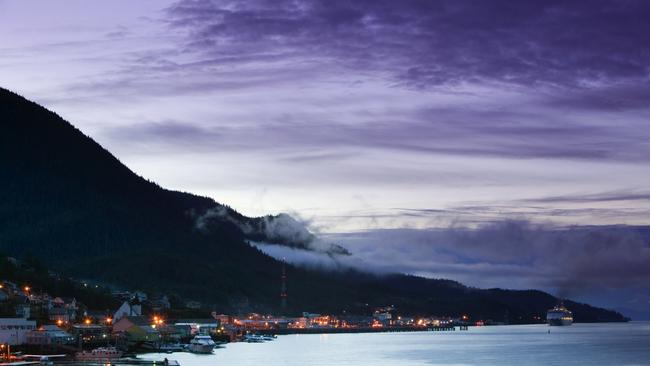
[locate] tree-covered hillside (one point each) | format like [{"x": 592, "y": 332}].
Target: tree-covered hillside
[{"x": 68, "y": 201}]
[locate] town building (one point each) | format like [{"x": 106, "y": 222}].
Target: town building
[
  {"x": 187, "y": 327},
  {"x": 137, "y": 329},
  {"x": 132, "y": 308},
  {"x": 59, "y": 315},
  {"x": 49, "y": 335},
  {"x": 13, "y": 331},
  {"x": 89, "y": 332}
]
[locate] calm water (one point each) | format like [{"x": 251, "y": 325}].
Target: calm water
[{"x": 580, "y": 344}]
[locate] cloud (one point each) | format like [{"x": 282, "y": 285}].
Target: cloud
[
  {"x": 280, "y": 230},
  {"x": 596, "y": 197},
  {"x": 434, "y": 42},
  {"x": 569, "y": 261}
]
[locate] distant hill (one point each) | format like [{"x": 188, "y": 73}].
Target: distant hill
[{"x": 69, "y": 202}]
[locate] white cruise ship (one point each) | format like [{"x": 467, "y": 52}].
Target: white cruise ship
[{"x": 559, "y": 315}]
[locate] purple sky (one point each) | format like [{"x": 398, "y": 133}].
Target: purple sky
[{"x": 376, "y": 122}]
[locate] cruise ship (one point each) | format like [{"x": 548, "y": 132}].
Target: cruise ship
[{"x": 559, "y": 315}]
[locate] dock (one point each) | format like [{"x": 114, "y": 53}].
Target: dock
[
  {"x": 326, "y": 330},
  {"x": 118, "y": 362}
]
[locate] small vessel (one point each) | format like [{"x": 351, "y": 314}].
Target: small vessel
[
  {"x": 559, "y": 315},
  {"x": 269, "y": 337},
  {"x": 201, "y": 344},
  {"x": 253, "y": 338},
  {"x": 99, "y": 354},
  {"x": 170, "y": 347}
]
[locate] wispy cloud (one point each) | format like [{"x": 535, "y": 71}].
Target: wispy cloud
[{"x": 596, "y": 197}]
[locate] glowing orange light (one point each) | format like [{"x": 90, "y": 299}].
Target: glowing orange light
[
  {"x": 87, "y": 321},
  {"x": 59, "y": 322},
  {"x": 109, "y": 320},
  {"x": 27, "y": 288}
]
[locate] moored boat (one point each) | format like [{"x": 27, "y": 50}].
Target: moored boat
[
  {"x": 99, "y": 354},
  {"x": 253, "y": 338},
  {"x": 201, "y": 344}
]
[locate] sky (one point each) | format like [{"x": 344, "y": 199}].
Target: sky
[{"x": 500, "y": 143}]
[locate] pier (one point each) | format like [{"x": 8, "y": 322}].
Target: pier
[
  {"x": 119, "y": 362},
  {"x": 363, "y": 330}
]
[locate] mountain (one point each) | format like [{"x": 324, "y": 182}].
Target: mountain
[{"x": 69, "y": 202}]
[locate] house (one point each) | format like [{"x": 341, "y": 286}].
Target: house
[
  {"x": 222, "y": 318},
  {"x": 69, "y": 304},
  {"x": 24, "y": 310},
  {"x": 131, "y": 308},
  {"x": 13, "y": 331},
  {"x": 49, "y": 335},
  {"x": 137, "y": 329},
  {"x": 59, "y": 315}
]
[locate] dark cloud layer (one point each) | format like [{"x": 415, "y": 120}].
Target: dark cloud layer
[
  {"x": 570, "y": 43},
  {"x": 577, "y": 76}
]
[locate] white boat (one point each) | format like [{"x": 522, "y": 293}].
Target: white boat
[
  {"x": 253, "y": 338},
  {"x": 170, "y": 347},
  {"x": 99, "y": 354},
  {"x": 201, "y": 344},
  {"x": 559, "y": 315}
]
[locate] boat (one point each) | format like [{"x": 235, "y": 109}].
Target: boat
[
  {"x": 253, "y": 338},
  {"x": 170, "y": 347},
  {"x": 201, "y": 344},
  {"x": 559, "y": 315},
  {"x": 99, "y": 354}
]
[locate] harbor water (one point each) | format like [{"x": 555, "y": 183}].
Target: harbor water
[{"x": 579, "y": 344}]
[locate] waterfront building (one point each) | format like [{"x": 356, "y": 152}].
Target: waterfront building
[
  {"x": 13, "y": 331},
  {"x": 197, "y": 326},
  {"x": 138, "y": 329},
  {"x": 49, "y": 335},
  {"x": 89, "y": 332}
]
